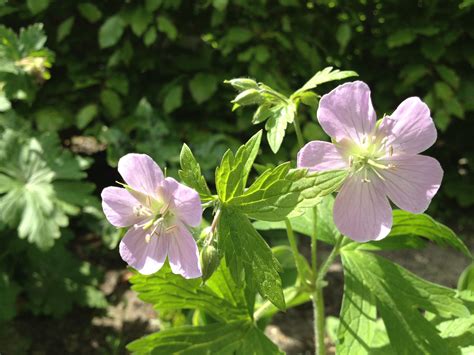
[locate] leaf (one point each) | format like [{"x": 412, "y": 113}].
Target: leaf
[
  {"x": 357, "y": 318},
  {"x": 166, "y": 290},
  {"x": 90, "y": 12},
  {"x": 8, "y": 293},
  {"x": 173, "y": 99},
  {"x": 303, "y": 224},
  {"x": 448, "y": 75},
  {"x": 111, "y": 31},
  {"x": 165, "y": 25},
  {"x": 112, "y": 102},
  {"x": 140, "y": 20},
  {"x": 276, "y": 127},
  {"x": 36, "y": 6},
  {"x": 245, "y": 249},
  {"x": 190, "y": 174},
  {"x": 324, "y": 76},
  {"x": 64, "y": 29},
  {"x": 422, "y": 225},
  {"x": 86, "y": 115},
  {"x": 232, "y": 173},
  {"x": 400, "y": 38},
  {"x": 343, "y": 36},
  {"x": 466, "y": 280},
  {"x": 150, "y": 36},
  {"x": 152, "y": 5},
  {"x": 236, "y": 337},
  {"x": 399, "y": 295},
  {"x": 202, "y": 87}
]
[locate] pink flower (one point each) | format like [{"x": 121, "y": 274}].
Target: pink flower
[
  {"x": 158, "y": 211},
  {"x": 382, "y": 159}
]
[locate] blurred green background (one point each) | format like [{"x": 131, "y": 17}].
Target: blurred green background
[{"x": 83, "y": 83}]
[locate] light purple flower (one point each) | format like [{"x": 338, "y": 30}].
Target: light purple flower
[
  {"x": 383, "y": 159},
  {"x": 158, "y": 211}
]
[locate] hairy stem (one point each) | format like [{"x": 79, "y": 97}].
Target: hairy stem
[
  {"x": 319, "y": 321},
  {"x": 299, "y": 135}
]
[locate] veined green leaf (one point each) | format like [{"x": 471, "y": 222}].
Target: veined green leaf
[
  {"x": 190, "y": 173},
  {"x": 279, "y": 191},
  {"x": 245, "y": 249},
  {"x": 236, "y": 337},
  {"x": 324, "y": 76},
  {"x": 232, "y": 174},
  {"x": 166, "y": 290},
  {"x": 400, "y": 294},
  {"x": 325, "y": 228}
]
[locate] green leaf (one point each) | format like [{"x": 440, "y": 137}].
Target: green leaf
[
  {"x": 190, "y": 174},
  {"x": 357, "y": 318},
  {"x": 343, "y": 36},
  {"x": 202, "y": 87},
  {"x": 150, "y": 36},
  {"x": 140, "y": 20},
  {"x": 325, "y": 228},
  {"x": 8, "y": 293},
  {"x": 236, "y": 337},
  {"x": 400, "y": 38},
  {"x": 112, "y": 102},
  {"x": 448, "y": 75},
  {"x": 111, "y": 31},
  {"x": 165, "y": 25},
  {"x": 422, "y": 225},
  {"x": 64, "y": 29},
  {"x": 232, "y": 174},
  {"x": 466, "y": 280},
  {"x": 152, "y": 5},
  {"x": 90, "y": 12},
  {"x": 36, "y": 6},
  {"x": 324, "y": 76},
  {"x": 400, "y": 294},
  {"x": 166, "y": 290},
  {"x": 173, "y": 99},
  {"x": 86, "y": 115},
  {"x": 277, "y": 123},
  {"x": 245, "y": 249}
]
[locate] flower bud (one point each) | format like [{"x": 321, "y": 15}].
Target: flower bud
[
  {"x": 242, "y": 83},
  {"x": 210, "y": 260},
  {"x": 248, "y": 97}
]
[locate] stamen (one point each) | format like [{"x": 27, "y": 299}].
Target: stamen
[
  {"x": 390, "y": 150},
  {"x": 376, "y": 165}
]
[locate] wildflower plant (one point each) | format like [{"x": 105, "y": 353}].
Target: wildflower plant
[{"x": 239, "y": 282}]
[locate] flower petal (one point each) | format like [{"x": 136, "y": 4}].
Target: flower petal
[
  {"x": 413, "y": 181},
  {"x": 320, "y": 156},
  {"x": 140, "y": 172},
  {"x": 183, "y": 253},
  {"x": 186, "y": 202},
  {"x": 347, "y": 112},
  {"x": 145, "y": 257},
  {"x": 362, "y": 212},
  {"x": 118, "y": 204},
  {"x": 410, "y": 128}
]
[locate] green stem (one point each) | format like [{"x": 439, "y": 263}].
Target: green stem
[
  {"x": 299, "y": 135},
  {"x": 294, "y": 250},
  {"x": 328, "y": 262},
  {"x": 319, "y": 321}
]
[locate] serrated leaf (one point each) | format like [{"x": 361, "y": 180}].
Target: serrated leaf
[
  {"x": 190, "y": 174},
  {"x": 245, "y": 249},
  {"x": 400, "y": 294},
  {"x": 276, "y": 127},
  {"x": 111, "y": 31},
  {"x": 232, "y": 173},
  {"x": 324, "y": 76},
  {"x": 325, "y": 228},
  {"x": 166, "y": 290},
  {"x": 236, "y": 337}
]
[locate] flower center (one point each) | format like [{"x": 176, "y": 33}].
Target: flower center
[
  {"x": 365, "y": 157},
  {"x": 161, "y": 221}
]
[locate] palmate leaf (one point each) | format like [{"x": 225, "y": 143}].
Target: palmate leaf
[
  {"x": 236, "y": 337},
  {"x": 399, "y": 296},
  {"x": 220, "y": 298}
]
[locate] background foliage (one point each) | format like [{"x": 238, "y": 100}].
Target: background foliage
[{"x": 82, "y": 83}]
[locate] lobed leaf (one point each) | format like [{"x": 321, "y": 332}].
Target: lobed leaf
[
  {"x": 190, "y": 174},
  {"x": 324, "y": 76}
]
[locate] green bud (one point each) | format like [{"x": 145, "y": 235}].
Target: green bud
[
  {"x": 210, "y": 260},
  {"x": 242, "y": 83},
  {"x": 248, "y": 97}
]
